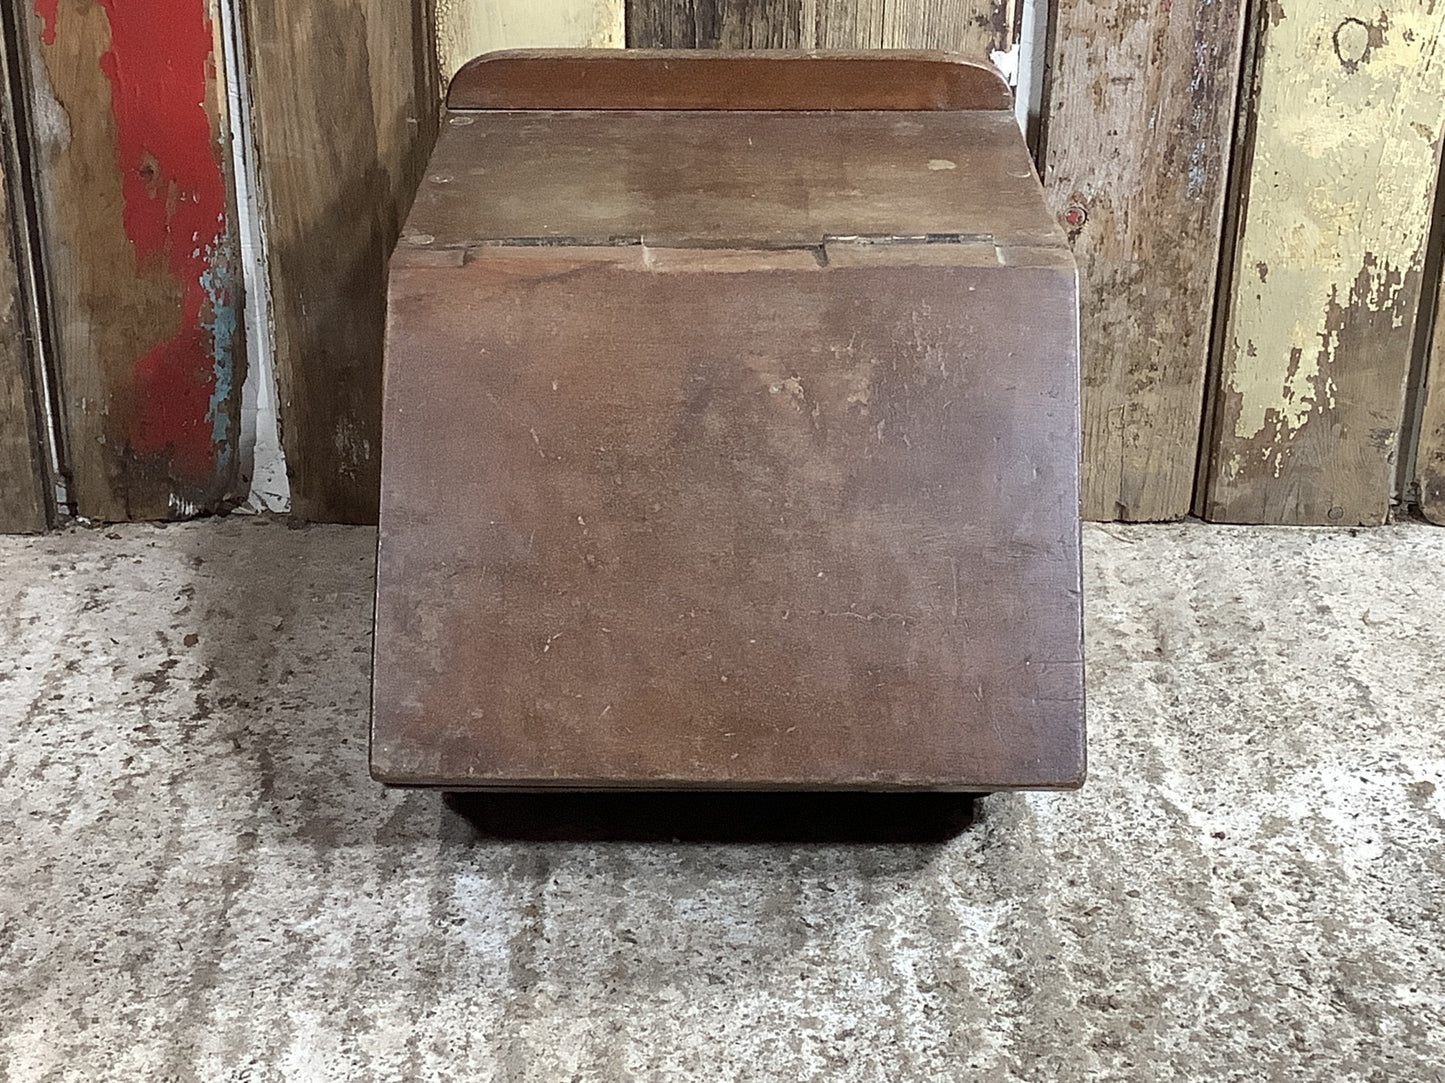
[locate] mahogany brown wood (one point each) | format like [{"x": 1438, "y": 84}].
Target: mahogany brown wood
[
  {"x": 743, "y": 177},
  {"x": 710, "y": 466},
  {"x": 687, "y": 79}
]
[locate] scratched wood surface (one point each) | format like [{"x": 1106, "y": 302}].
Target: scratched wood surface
[
  {"x": 731, "y": 519},
  {"x": 1326, "y": 279},
  {"x": 1136, "y": 162},
  {"x": 976, "y": 28},
  {"x": 22, "y": 471},
  {"x": 344, "y": 107},
  {"x": 1430, "y": 454},
  {"x": 761, "y": 435},
  {"x": 768, "y": 177},
  {"x": 139, "y": 241}
]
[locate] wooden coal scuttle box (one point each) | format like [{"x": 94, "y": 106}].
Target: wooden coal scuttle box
[{"x": 730, "y": 434}]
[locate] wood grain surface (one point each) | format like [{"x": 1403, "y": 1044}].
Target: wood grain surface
[
  {"x": 23, "y": 476},
  {"x": 975, "y": 28},
  {"x": 344, "y": 108},
  {"x": 727, "y": 178},
  {"x": 730, "y": 450},
  {"x": 140, "y": 247},
  {"x": 1430, "y": 453},
  {"x": 1349, "y": 105},
  {"x": 730, "y": 519},
  {"x": 773, "y": 79},
  {"x": 1137, "y": 152}
]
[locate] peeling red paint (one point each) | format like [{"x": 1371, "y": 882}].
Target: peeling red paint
[
  {"x": 158, "y": 65},
  {"x": 47, "y": 10}
]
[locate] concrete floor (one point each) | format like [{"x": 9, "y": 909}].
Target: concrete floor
[{"x": 201, "y": 882}]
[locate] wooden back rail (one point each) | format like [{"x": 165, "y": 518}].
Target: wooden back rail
[{"x": 589, "y": 79}]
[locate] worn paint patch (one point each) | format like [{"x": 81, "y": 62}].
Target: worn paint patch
[
  {"x": 1359, "y": 333},
  {"x": 48, "y": 10},
  {"x": 159, "y": 66},
  {"x": 1334, "y": 235},
  {"x": 222, "y": 325}
]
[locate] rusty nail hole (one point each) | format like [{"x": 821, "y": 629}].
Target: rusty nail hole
[{"x": 1075, "y": 216}]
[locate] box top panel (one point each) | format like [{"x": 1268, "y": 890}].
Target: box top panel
[{"x": 737, "y": 178}]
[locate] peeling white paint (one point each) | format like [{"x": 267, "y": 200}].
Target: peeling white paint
[
  {"x": 1007, "y": 62},
  {"x": 262, "y": 457},
  {"x": 1032, "y": 62},
  {"x": 1338, "y": 180}
]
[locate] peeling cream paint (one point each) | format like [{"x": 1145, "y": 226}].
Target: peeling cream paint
[
  {"x": 468, "y": 28},
  {"x": 1339, "y": 183}
]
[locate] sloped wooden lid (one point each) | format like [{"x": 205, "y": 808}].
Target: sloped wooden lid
[{"x": 713, "y": 178}]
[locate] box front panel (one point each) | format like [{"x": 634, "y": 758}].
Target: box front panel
[{"x": 741, "y": 521}]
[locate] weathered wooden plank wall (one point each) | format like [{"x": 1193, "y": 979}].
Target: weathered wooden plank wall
[
  {"x": 1339, "y": 155},
  {"x": 973, "y": 27},
  {"x": 344, "y": 110},
  {"x": 1136, "y": 159},
  {"x": 23, "y": 477},
  {"x": 1348, "y": 106},
  {"x": 137, "y": 220},
  {"x": 1430, "y": 453}
]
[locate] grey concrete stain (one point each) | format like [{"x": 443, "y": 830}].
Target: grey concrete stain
[{"x": 201, "y": 882}]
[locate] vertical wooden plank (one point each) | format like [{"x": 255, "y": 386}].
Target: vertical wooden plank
[
  {"x": 714, "y": 24},
  {"x": 344, "y": 105},
  {"x": 973, "y": 27},
  {"x": 1326, "y": 280},
  {"x": 22, "y": 471},
  {"x": 1430, "y": 454},
  {"x": 1136, "y": 164},
  {"x": 468, "y": 28},
  {"x": 841, "y": 24},
  {"x": 140, "y": 247}
]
